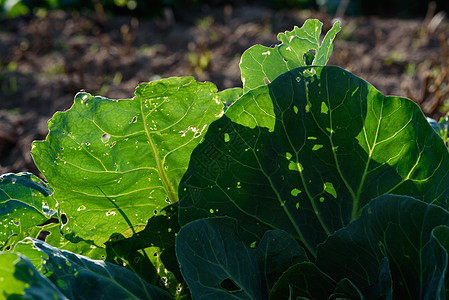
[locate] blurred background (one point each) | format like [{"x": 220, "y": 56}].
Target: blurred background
[{"x": 51, "y": 49}]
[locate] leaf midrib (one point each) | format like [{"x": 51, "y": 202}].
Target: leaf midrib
[{"x": 168, "y": 186}]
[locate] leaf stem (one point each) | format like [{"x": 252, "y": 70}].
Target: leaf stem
[{"x": 168, "y": 187}]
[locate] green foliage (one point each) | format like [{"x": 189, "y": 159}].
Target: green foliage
[
  {"x": 124, "y": 158},
  {"x": 408, "y": 233},
  {"x": 232, "y": 267},
  {"x": 27, "y": 204},
  {"x": 80, "y": 277},
  {"x": 312, "y": 185},
  {"x": 281, "y": 156},
  {"x": 21, "y": 280},
  {"x": 260, "y": 64}
]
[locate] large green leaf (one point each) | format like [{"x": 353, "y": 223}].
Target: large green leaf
[
  {"x": 260, "y": 64},
  {"x": 79, "y": 277},
  {"x": 307, "y": 152},
  {"x": 115, "y": 163},
  {"x": 216, "y": 264},
  {"x": 402, "y": 229},
  {"x": 25, "y": 203},
  {"x": 19, "y": 279}
]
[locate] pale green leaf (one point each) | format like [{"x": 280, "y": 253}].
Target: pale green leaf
[
  {"x": 260, "y": 65},
  {"x": 115, "y": 163}
]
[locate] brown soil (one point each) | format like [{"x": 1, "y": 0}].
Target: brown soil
[{"x": 45, "y": 61}]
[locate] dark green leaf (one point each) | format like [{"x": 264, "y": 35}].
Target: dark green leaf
[
  {"x": 275, "y": 253},
  {"x": 305, "y": 281},
  {"x": 345, "y": 289},
  {"x": 215, "y": 263},
  {"x": 397, "y": 227},
  {"x": 229, "y": 269},
  {"x": 307, "y": 152}
]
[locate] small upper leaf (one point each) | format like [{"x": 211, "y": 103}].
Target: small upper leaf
[{"x": 260, "y": 64}]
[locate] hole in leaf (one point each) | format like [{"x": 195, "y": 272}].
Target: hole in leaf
[
  {"x": 64, "y": 219},
  {"x": 266, "y": 80},
  {"x": 43, "y": 235},
  {"x": 229, "y": 285},
  {"x": 45, "y": 208},
  {"x": 105, "y": 138}
]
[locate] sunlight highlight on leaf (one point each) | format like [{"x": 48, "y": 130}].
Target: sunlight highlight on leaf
[{"x": 113, "y": 163}]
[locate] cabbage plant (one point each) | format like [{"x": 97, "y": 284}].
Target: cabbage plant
[{"x": 307, "y": 183}]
